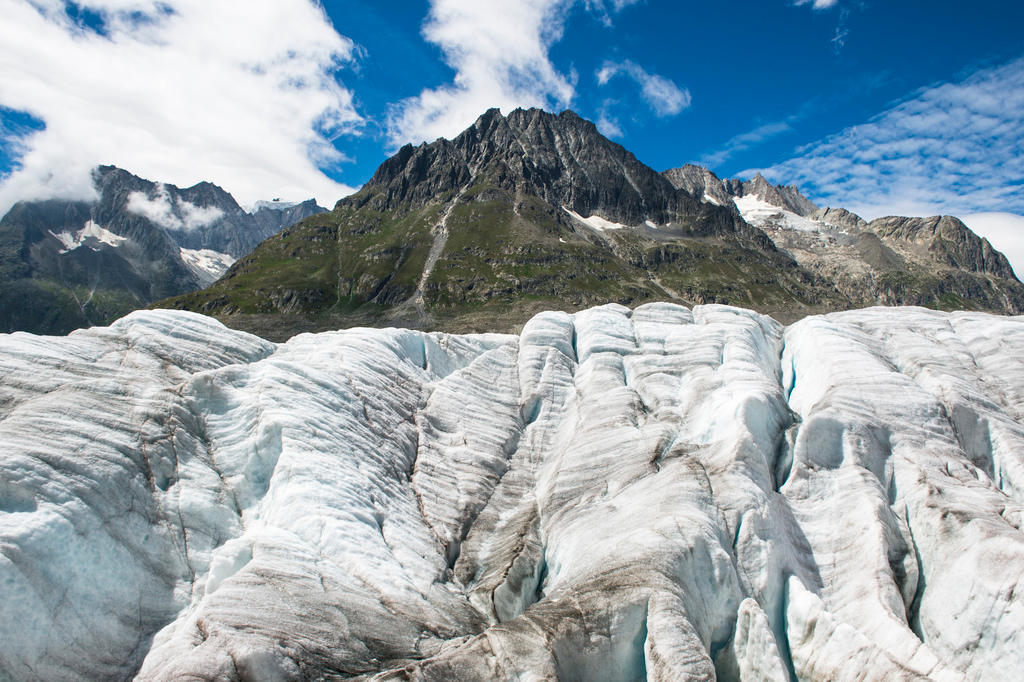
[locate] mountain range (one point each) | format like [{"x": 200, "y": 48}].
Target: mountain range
[
  {"x": 69, "y": 264},
  {"x": 534, "y": 211}
]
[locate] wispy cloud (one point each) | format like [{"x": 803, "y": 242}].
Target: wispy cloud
[
  {"x": 745, "y": 141},
  {"x": 608, "y": 124},
  {"x": 841, "y": 33},
  {"x": 604, "y": 9},
  {"x": 176, "y": 90},
  {"x": 817, "y": 4},
  {"x": 499, "y": 52},
  {"x": 663, "y": 96},
  {"x": 949, "y": 148}
]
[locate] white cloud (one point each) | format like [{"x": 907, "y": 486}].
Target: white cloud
[
  {"x": 609, "y": 126},
  {"x": 953, "y": 148},
  {"x": 603, "y": 9},
  {"x": 163, "y": 211},
  {"x": 499, "y": 52},
  {"x": 664, "y": 97},
  {"x": 181, "y": 90},
  {"x": 745, "y": 141},
  {"x": 1006, "y": 233},
  {"x": 817, "y": 4},
  {"x": 193, "y": 216},
  {"x": 606, "y": 123},
  {"x": 157, "y": 209}
]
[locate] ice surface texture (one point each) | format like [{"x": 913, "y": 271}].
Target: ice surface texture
[{"x": 657, "y": 494}]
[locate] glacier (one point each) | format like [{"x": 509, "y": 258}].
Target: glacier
[{"x": 658, "y": 493}]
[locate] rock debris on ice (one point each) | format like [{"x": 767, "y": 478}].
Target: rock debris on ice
[{"x": 657, "y": 494}]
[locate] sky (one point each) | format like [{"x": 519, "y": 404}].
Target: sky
[{"x": 911, "y": 107}]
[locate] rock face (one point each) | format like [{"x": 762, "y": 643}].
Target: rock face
[
  {"x": 662, "y": 494},
  {"x": 561, "y": 159},
  {"x": 948, "y": 241},
  {"x": 65, "y": 264},
  {"x": 701, "y": 183}
]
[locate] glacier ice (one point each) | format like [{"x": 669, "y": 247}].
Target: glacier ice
[{"x": 658, "y": 493}]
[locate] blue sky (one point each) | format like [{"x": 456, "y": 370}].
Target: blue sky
[{"x": 883, "y": 107}]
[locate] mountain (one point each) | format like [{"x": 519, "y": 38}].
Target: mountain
[
  {"x": 658, "y": 493},
  {"x": 70, "y": 264},
  {"x": 534, "y": 211},
  {"x": 517, "y": 214},
  {"x": 936, "y": 261}
]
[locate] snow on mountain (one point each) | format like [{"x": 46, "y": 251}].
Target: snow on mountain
[
  {"x": 595, "y": 222},
  {"x": 208, "y": 265},
  {"x": 760, "y": 213},
  {"x": 660, "y": 493},
  {"x": 90, "y": 231},
  {"x": 275, "y": 205}
]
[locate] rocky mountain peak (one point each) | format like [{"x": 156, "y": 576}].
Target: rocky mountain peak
[
  {"x": 788, "y": 197},
  {"x": 560, "y": 158},
  {"x": 840, "y": 218},
  {"x": 700, "y": 182},
  {"x": 949, "y": 241}
]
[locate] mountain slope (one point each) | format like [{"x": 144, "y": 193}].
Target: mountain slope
[
  {"x": 657, "y": 493},
  {"x": 936, "y": 262},
  {"x": 516, "y": 214},
  {"x": 65, "y": 264}
]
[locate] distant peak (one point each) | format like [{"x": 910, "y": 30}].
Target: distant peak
[{"x": 489, "y": 115}]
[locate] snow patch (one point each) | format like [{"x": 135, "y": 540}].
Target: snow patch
[
  {"x": 595, "y": 222},
  {"x": 206, "y": 264},
  {"x": 228, "y": 560},
  {"x": 275, "y": 205},
  {"x": 760, "y": 213},
  {"x": 91, "y": 235}
]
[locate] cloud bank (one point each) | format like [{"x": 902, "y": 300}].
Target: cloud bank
[
  {"x": 178, "y": 91},
  {"x": 954, "y": 148}
]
